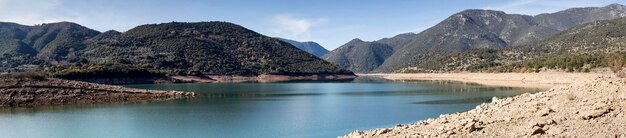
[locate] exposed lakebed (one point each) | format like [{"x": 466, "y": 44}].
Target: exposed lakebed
[{"x": 290, "y": 109}]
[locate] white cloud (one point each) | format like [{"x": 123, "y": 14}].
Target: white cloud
[
  {"x": 533, "y": 7},
  {"x": 31, "y": 12},
  {"x": 293, "y": 27}
]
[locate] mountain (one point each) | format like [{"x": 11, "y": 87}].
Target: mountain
[
  {"x": 49, "y": 43},
  {"x": 53, "y": 40},
  {"x": 309, "y": 46},
  {"x": 209, "y": 48},
  {"x": 478, "y": 29},
  {"x": 579, "y": 48},
  {"x": 362, "y": 57}
]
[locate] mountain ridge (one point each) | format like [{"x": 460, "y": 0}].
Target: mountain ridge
[
  {"x": 176, "y": 48},
  {"x": 579, "y": 48},
  {"x": 308, "y": 46},
  {"x": 472, "y": 29}
]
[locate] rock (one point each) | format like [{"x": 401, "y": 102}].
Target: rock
[
  {"x": 399, "y": 125},
  {"x": 586, "y": 115},
  {"x": 545, "y": 112},
  {"x": 597, "y": 111},
  {"x": 537, "y": 131},
  {"x": 58, "y": 91},
  {"x": 541, "y": 122},
  {"x": 383, "y": 131},
  {"x": 470, "y": 127},
  {"x": 356, "y": 134},
  {"x": 507, "y": 119},
  {"x": 555, "y": 130}
]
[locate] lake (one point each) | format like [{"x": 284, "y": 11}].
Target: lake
[{"x": 237, "y": 110}]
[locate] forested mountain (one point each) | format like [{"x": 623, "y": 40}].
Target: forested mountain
[
  {"x": 580, "y": 48},
  {"x": 360, "y": 56},
  {"x": 50, "y": 43},
  {"x": 476, "y": 29},
  {"x": 210, "y": 48},
  {"x": 309, "y": 46}
]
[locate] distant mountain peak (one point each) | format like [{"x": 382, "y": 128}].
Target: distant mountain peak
[
  {"x": 482, "y": 11},
  {"x": 111, "y": 32},
  {"x": 618, "y": 9},
  {"x": 308, "y": 46},
  {"x": 63, "y": 24},
  {"x": 616, "y": 5},
  {"x": 356, "y": 40}
]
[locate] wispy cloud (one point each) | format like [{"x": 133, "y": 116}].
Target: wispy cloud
[
  {"x": 533, "y": 7},
  {"x": 294, "y": 27},
  {"x": 30, "y": 12},
  {"x": 33, "y": 11}
]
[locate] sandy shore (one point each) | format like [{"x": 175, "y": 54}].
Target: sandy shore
[
  {"x": 589, "y": 107},
  {"x": 537, "y": 80}
]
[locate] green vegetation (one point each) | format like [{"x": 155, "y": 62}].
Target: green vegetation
[
  {"x": 94, "y": 71},
  {"x": 205, "y": 48},
  {"x": 68, "y": 50},
  {"x": 55, "y": 41},
  {"x": 360, "y": 56},
  {"x": 580, "y": 49},
  {"x": 616, "y": 62},
  {"x": 475, "y": 29},
  {"x": 568, "y": 63}
]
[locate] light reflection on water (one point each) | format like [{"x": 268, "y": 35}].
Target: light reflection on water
[{"x": 291, "y": 109}]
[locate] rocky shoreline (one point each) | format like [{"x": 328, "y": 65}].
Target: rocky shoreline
[
  {"x": 219, "y": 79},
  {"x": 17, "y": 92},
  {"x": 49, "y": 91},
  {"x": 589, "y": 108},
  {"x": 262, "y": 78}
]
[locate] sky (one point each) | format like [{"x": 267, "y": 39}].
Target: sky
[{"x": 328, "y": 22}]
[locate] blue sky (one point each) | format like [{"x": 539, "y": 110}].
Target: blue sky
[{"x": 328, "y": 22}]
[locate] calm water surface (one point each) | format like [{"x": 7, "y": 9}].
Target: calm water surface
[{"x": 236, "y": 110}]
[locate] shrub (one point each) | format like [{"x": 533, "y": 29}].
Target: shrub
[
  {"x": 107, "y": 70},
  {"x": 615, "y": 62}
]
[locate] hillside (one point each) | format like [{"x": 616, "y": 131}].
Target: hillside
[
  {"x": 363, "y": 57},
  {"x": 309, "y": 46},
  {"x": 203, "y": 48},
  {"x": 360, "y": 56},
  {"x": 479, "y": 29},
  {"x": 51, "y": 44},
  {"x": 216, "y": 48},
  {"x": 577, "y": 49}
]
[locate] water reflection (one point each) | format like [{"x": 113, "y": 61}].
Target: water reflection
[{"x": 292, "y": 109}]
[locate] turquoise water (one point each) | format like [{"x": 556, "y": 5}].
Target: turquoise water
[{"x": 236, "y": 110}]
